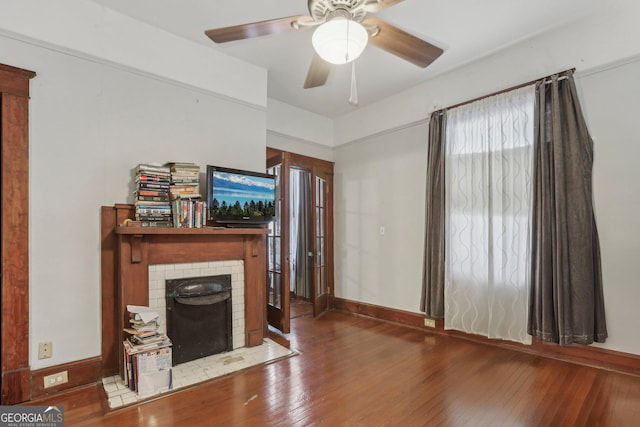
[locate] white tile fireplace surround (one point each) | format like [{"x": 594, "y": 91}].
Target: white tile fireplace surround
[
  {"x": 207, "y": 368},
  {"x": 160, "y": 272}
]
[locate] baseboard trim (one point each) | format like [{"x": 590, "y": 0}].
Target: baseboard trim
[
  {"x": 80, "y": 373},
  {"x": 578, "y": 354}
]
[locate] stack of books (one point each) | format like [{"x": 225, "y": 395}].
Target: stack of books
[
  {"x": 147, "y": 353},
  {"x": 189, "y": 213},
  {"x": 152, "y": 202},
  {"x": 185, "y": 180},
  {"x": 187, "y": 208}
]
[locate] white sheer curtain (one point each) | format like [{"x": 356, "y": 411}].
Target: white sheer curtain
[{"x": 489, "y": 148}]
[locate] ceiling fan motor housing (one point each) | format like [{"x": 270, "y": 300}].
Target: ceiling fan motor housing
[{"x": 321, "y": 9}]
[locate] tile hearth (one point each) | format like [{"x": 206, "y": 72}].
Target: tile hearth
[{"x": 196, "y": 371}]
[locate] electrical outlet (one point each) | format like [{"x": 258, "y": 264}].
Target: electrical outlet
[
  {"x": 430, "y": 323},
  {"x": 54, "y": 380},
  {"x": 45, "y": 350}
]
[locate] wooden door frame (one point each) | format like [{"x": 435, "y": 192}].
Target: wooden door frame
[
  {"x": 312, "y": 165},
  {"x": 14, "y": 336}
]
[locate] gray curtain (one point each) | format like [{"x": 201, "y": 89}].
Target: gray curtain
[
  {"x": 432, "y": 300},
  {"x": 301, "y": 237},
  {"x": 566, "y": 304}
]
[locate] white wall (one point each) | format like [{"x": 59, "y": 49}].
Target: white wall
[
  {"x": 383, "y": 158},
  {"x": 90, "y": 125},
  {"x": 610, "y": 100},
  {"x": 380, "y": 182},
  {"x": 303, "y": 125},
  {"x": 92, "y": 31}
]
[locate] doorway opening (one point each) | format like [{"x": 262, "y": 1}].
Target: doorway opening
[{"x": 300, "y": 242}]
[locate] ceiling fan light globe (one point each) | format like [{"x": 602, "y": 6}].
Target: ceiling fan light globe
[{"x": 340, "y": 41}]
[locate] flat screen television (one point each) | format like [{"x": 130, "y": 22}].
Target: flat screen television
[{"x": 240, "y": 198}]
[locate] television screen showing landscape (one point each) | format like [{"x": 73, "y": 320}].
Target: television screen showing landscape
[{"x": 234, "y": 195}]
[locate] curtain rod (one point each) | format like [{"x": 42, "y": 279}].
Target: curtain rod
[{"x": 546, "y": 79}]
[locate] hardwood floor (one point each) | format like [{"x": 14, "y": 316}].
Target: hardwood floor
[
  {"x": 300, "y": 307},
  {"x": 354, "y": 371}
]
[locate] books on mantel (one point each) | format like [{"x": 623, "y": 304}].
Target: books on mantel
[
  {"x": 152, "y": 201},
  {"x": 184, "y": 191},
  {"x": 147, "y": 353},
  {"x": 189, "y": 213},
  {"x": 185, "y": 180}
]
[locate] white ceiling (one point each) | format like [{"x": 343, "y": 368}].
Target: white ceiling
[{"x": 466, "y": 29}]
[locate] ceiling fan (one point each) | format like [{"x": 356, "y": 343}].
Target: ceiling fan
[{"x": 342, "y": 32}]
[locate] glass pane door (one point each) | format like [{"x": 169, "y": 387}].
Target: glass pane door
[
  {"x": 321, "y": 248},
  {"x": 277, "y": 250},
  {"x": 274, "y": 239}
]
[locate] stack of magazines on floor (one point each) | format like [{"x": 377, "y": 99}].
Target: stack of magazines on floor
[{"x": 147, "y": 353}]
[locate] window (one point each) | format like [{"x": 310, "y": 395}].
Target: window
[{"x": 488, "y": 163}]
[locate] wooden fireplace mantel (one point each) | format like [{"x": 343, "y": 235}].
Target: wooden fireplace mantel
[{"x": 127, "y": 253}]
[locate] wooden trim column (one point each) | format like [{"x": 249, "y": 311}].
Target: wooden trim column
[
  {"x": 110, "y": 217},
  {"x": 14, "y": 135}
]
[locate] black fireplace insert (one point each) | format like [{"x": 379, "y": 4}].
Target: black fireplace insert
[{"x": 199, "y": 319}]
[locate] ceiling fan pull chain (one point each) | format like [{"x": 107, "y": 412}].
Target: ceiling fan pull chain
[
  {"x": 346, "y": 50},
  {"x": 353, "y": 97}
]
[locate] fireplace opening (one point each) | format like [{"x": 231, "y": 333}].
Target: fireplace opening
[{"x": 199, "y": 318}]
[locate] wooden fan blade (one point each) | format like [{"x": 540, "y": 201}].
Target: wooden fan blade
[
  {"x": 318, "y": 72},
  {"x": 378, "y": 5},
  {"x": 402, "y": 44},
  {"x": 254, "y": 29}
]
